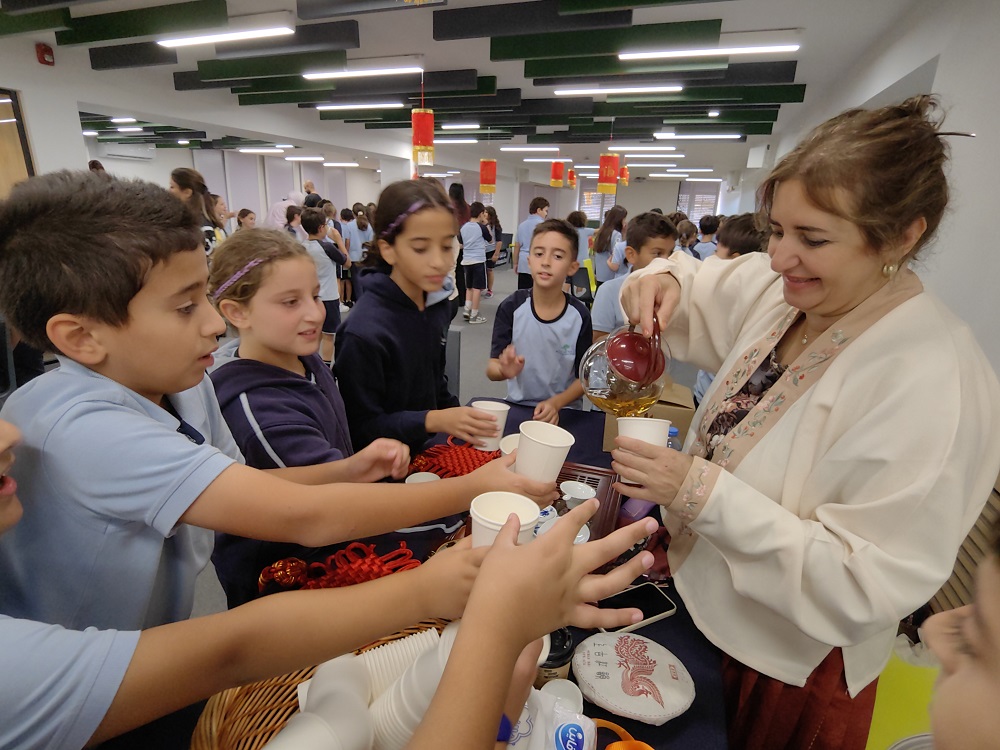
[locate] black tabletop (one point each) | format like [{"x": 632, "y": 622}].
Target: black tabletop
[{"x": 703, "y": 726}]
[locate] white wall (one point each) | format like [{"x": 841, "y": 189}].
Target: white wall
[
  {"x": 639, "y": 197},
  {"x": 363, "y": 186}
]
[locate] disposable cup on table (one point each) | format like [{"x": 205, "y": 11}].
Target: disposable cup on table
[
  {"x": 422, "y": 476},
  {"x": 508, "y": 444},
  {"x": 498, "y": 410},
  {"x": 649, "y": 430},
  {"x": 491, "y": 510},
  {"x": 575, "y": 493},
  {"x": 542, "y": 450}
]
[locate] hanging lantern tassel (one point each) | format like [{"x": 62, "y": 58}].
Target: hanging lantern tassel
[
  {"x": 487, "y": 175},
  {"x": 623, "y": 176},
  {"x": 556, "y": 178},
  {"x": 607, "y": 174},
  {"x": 571, "y": 178},
  {"x": 422, "y": 121}
]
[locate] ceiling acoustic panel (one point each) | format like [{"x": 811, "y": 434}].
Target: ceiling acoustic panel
[
  {"x": 189, "y": 80},
  {"x": 788, "y": 93},
  {"x": 195, "y": 15},
  {"x": 267, "y": 67},
  {"x": 436, "y": 81},
  {"x": 520, "y": 18},
  {"x": 737, "y": 74},
  {"x": 311, "y": 10},
  {"x": 139, "y": 55},
  {"x": 606, "y": 41},
  {"x": 47, "y": 20},
  {"x": 610, "y": 65},
  {"x": 320, "y": 37},
  {"x": 597, "y": 6},
  {"x": 21, "y": 7}
]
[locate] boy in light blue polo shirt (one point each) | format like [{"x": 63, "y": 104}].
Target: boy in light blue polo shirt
[
  {"x": 127, "y": 465},
  {"x": 538, "y": 211}
]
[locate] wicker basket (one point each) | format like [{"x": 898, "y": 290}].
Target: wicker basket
[{"x": 246, "y": 718}]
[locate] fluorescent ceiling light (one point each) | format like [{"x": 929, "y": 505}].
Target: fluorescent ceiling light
[
  {"x": 709, "y": 52},
  {"x": 441, "y": 175},
  {"x": 587, "y": 176},
  {"x": 578, "y": 167},
  {"x": 529, "y": 149},
  {"x": 5, "y": 101},
  {"x": 257, "y": 26},
  {"x": 713, "y": 113},
  {"x": 675, "y": 175},
  {"x": 654, "y": 156},
  {"x": 12, "y": 119},
  {"x": 460, "y": 126},
  {"x": 689, "y": 169},
  {"x": 138, "y": 132},
  {"x": 340, "y": 164},
  {"x": 704, "y": 179},
  {"x": 642, "y": 148},
  {"x": 620, "y": 90},
  {"x": 370, "y": 73},
  {"x": 697, "y": 136},
  {"x": 183, "y": 143},
  {"x": 305, "y": 158},
  {"x": 359, "y": 105},
  {"x": 130, "y": 130},
  {"x": 122, "y": 120},
  {"x": 454, "y": 171},
  {"x": 371, "y": 67},
  {"x": 456, "y": 140},
  {"x": 262, "y": 151},
  {"x": 283, "y": 145},
  {"x": 653, "y": 165},
  {"x": 90, "y": 132},
  {"x": 546, "y": 161}
]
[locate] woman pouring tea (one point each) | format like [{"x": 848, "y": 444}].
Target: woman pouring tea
[{"x": 848, "y": 442}]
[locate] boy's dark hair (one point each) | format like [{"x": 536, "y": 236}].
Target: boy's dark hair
[
  {"x": 476, "y": 209},
  {"x": 564, "y": 228},
  {"x": 577, "y": 219},
  {"x": 346, "y": 214},
  {"x": 741, "y": 235},
  {"x": 121, "y": 230},
  {"x": 312, "y": 220},
  {"x": 708, "y": 224},
  {"x": 537, "y": 204},
  {"x": 323, "y": 202},
  {"x": 291, "y": 212},
  {"x": 676, "y": 217},
  {"x": 645, "y": 227}
]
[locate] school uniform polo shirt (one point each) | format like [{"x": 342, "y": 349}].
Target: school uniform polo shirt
[
  {"x": 523, "y": 238},
  {"x": 104, "y": 476}
]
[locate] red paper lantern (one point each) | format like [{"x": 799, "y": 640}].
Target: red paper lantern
[
  {"x": 422, "y": 121},
  {"x": 487, "y": 175},
  {"x": 607, "y": 174},
  {"x": 571, "y": 178},
  {"x": 556, "y": 178},
  {"x": 623, "y": 176}
]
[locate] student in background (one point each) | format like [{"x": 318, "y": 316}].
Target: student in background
[
  {"x": 354, "y": 251},
  {"x": 538, "y": 211},
  {"x": 493, "y": 244},
  {"x": 463, "y": 212},
  {"x": 293, "y": 223},
  {"x": 540, "y": 334},
  {"x": 246, "y": 219},
  {"x": 327, "y": 256},
  {"x": 335, "y": 233},
  {"x": 391, "y": 350},
  {"x": 648, "y": 236},
  {"x": 578, "y": 220},
  {"x": 687, "y": 238},
  {"x": 708, "y": 225},
  {"x": 188, "y": 185},
  {"x": 98, "y": 684},
  {"x": 222, "y": 212},
  {"x": 474, "y": 237},
  {"x": 607, "y": 237}
]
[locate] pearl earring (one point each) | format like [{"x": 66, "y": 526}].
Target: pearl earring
[{"x": 889, "y": 270}]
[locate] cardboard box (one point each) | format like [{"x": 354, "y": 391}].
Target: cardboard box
[{"x": 676, "y": 404}]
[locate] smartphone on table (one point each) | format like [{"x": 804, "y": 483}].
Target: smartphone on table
[{"x": 648, "y": 597}]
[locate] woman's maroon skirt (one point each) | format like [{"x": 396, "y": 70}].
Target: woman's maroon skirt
[{"x": 767, "y": 714}]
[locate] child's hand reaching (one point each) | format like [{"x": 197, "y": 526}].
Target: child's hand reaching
[
  {"x": 384, "y": 457},
  {"x": 463, "y": 422},
  {"x": 510, "y": 364},
  {"x": 546, "y": 411},
  {"x": 446, "y": 578},
  {"x": 497, "y": 475}
]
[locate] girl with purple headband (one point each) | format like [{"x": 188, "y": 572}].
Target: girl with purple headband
[{"x": 391, "y": 349}]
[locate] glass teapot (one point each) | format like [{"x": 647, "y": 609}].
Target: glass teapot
[{"x": 625, "y": 373}]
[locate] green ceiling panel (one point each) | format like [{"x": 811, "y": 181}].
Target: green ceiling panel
[
  {"x": 787, "y": 93},
  {"x": 269, "y": 67},
  {"x": 196, "y": 15},
  {"x": 47, "y": 20},
  {"x": 733, "y": 116},
  {"x": 485, "y": 86},
  {"x": 605, "y": 65},
  {"x": 606, "y": 41},
  {"x": 280, "y": 84},
  {"x": 285, "y": 97},
  {"x": 571, "y": 7}
]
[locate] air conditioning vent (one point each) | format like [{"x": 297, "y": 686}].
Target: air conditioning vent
[{"x": 141, "y": 151}]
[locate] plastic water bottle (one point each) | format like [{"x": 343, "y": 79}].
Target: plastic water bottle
[{"x": 674, "y": 440}]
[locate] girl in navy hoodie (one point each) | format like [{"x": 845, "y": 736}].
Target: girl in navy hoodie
[{"x": 391, "y": 349}]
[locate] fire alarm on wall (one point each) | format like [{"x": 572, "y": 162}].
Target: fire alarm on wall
[{"x": 44, "y": 54}]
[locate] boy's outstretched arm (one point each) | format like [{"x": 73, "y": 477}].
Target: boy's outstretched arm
[
  {"x": 548, "y": 410},
  {"x": 175, "y": 665},
  {"x": 490, "y": 639}
]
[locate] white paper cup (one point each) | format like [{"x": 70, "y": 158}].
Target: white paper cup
[
  {"x": 305, "y": 732},
  {"x": 575, "y": 493},
  {"x": 386, "y": 663},
  {"x": 508, "y": 443},
  {"x": 566, "y": 692},
  {"x": 498, "y": 410},
  {"x": 422, "y": 476},
  {"x": 490, "y": 512},
  {"x": 542, "y": 450},
  {"x": 652, "y": 431}
]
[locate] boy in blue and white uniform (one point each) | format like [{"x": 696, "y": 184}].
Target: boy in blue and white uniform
[
  {"x": 538, "y": 211},
  {"x": 541, "y": 334}
]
